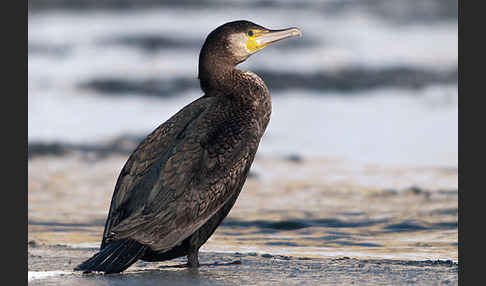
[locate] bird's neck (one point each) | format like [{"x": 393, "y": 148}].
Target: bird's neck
[
  {"x": 245, "y": 89},
  {"x": 215, "y": 73}
]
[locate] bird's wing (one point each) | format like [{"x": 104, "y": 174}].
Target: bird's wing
[
  {"x": 168, "y": 194},
  {"x": 129, "y": 191}
]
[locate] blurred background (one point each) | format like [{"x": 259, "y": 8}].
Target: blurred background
[{"x": 370, "y": 81}]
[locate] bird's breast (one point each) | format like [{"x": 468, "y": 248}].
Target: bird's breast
[{"x": 258, "y": 94}]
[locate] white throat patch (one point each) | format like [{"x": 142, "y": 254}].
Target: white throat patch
[{"x": 238, "y": 47}]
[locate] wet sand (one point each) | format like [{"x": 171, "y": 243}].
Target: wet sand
[
  {"x": 298, "y": 221},
  {"x": 242, "y": 269}
]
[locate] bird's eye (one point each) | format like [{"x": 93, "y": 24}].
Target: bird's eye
[{"x": 250, "y": 33}]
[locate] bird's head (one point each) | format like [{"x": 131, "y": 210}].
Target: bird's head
[
  {"x": 230, "y": 44},
  {"x": 235, "y": 41}
]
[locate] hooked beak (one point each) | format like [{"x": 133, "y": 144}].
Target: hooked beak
[{"x": 263, "y": 38}]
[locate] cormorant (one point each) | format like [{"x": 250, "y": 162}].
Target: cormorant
[{"x": 183, "y": 179}]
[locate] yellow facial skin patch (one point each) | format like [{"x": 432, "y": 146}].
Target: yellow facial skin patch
[
  {"x": 258, "y": 39},
  {"x": 252, "y": 44}
]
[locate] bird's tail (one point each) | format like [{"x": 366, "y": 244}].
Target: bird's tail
[{"x": 114, "y": 257}]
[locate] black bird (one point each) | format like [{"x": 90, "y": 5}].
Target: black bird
[{"x": 183, "y": 179}]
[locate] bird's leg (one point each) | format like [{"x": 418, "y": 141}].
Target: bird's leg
[
  {"x": 193, "y": 250},
  {"x": 192, "y": 259}
]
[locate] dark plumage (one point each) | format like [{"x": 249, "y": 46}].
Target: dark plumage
[{"x": 183, "y": 179}]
